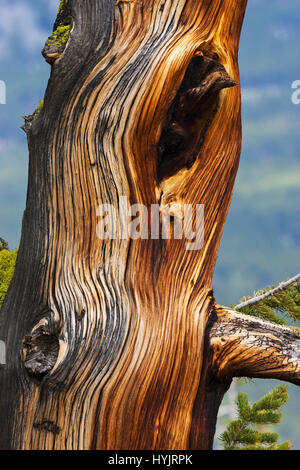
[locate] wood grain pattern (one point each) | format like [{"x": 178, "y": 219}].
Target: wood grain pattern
[
  {"x": 245, "y": 346},
  {"x": 131, "y": 317}
]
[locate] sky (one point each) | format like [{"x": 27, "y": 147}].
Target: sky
[{"x": 21, "y": 21}]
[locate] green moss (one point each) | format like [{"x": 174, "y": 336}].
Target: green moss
[
  {"x": 7, "y": 267},
  {"x": 62, "y": 5},
  {"x": 38, "y": 109},
  {"x": 60, "y": 36}
]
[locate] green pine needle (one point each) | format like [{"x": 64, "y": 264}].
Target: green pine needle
[
  {"x": 242, "y": 434},
  {"x": 281, "y": 307}
]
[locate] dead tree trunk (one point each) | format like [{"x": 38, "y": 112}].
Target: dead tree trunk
[{"x": 119, "y": 344}]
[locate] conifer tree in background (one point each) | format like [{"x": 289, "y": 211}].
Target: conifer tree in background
[{"x": 7, "y": 266}]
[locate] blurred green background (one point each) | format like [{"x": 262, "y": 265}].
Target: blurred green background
[{"x": 261, "y": 242}]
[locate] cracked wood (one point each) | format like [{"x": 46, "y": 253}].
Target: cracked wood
[
  {"x": 246, "y": 346},
  {"x": 130, "y": 316}
]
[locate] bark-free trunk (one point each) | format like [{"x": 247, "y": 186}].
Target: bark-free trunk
[{"x": 119, "y": 344}]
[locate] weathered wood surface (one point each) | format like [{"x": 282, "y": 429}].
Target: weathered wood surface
[
  {"x": 245, "y": 346},
  {"x": 108, "y": 341}
]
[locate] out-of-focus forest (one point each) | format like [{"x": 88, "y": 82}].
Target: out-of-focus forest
[{"x": 261, "y": 242}]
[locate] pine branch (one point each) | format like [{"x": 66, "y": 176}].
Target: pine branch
[
  {"x": 268, "y": 293},
  {"x": 242, "y": 434},
  {"x": 267, "y": 303}
]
